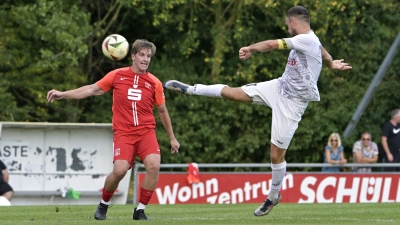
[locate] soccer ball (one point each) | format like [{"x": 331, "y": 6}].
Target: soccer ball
[{"x": 115, "y": 47}]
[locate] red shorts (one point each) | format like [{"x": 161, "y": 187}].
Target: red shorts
[{"x": 126, "y": 147}]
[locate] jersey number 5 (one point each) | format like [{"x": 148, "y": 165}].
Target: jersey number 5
[{"x": 134, "y": 94}]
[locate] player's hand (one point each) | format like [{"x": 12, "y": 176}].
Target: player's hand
[
  {"x": 54, "y": 95},
  {"x": 340, "y": 65},
  {"x": 174, "y": 146},
  {"x": 244, "y": 53},
  {"x": 390, "y": 157}
]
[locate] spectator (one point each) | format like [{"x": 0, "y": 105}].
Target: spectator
[
  {"x": 391, "y": 141},
  {"x": 5, "y": 189},
  {"x": 365, "y": 151},
  {"x": 333, "y": 153}
]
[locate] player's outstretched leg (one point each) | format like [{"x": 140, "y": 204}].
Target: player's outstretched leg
[
  {"x": 101, "y": 211},
  {"x": 213, "y": 90},
  {"x": 138, "y": 214},
  {"x": 267, "y": 206},
  {"x": 174, "y": 85}
]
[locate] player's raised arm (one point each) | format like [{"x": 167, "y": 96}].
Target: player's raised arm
[
  {"x": 79, "y": 93},
  {"x": 334, "y": 64},
  {"x": 263, "y": 46}
]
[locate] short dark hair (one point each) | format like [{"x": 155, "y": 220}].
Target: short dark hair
[
  {"x": 300, "y": 13},
  {"x": 140, "y": 44},
  {"x": 366, "y": 133}
]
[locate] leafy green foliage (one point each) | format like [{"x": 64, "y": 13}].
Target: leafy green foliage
[{"x": 41, "y": 49}]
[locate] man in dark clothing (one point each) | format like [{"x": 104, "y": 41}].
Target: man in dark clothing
[
  {"x": 5, "y": 188},
  {"x": 391, "y": 141}
]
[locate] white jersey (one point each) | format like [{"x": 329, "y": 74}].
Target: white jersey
[{"x": 299, "y": 81}]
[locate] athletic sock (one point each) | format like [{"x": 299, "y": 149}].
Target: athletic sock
[
  {"x": 140, "y": 206},
  {"x": 189, "y": 90},
  {"x": 105, "y": 203},
  {"x": 278, "y": 173},
  {"x": 106, "y": 195},
  {"x": 145, "y": 196},
  {"x": 208, "y": 90}
]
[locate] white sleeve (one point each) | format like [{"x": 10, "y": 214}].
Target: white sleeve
[
  {"x": 356, "y": 147},
  {"x": 300, "y": 42},
  {"x": 375, "y": 149}
]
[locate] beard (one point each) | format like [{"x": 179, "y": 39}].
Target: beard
[{"x": 294, "y": 32}]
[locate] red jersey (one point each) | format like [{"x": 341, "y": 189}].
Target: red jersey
[{"x": 134, "y": 97}]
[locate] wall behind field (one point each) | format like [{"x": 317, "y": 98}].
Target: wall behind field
[{"x": 45, "y": 160}]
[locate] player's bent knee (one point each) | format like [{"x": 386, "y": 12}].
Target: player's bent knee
[
  {"x": 153, "y": 167},
  {"x": 120, "y": 172},
  {"x": 277, "y": 155}
]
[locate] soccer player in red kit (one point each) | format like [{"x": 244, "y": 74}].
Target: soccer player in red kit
[{"x": 135, "y": 92}]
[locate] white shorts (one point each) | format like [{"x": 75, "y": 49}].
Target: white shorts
[{"x": 286, "y": 113}]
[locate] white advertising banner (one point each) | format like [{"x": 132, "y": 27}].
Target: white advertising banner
[{"x": 47, "y": 160}]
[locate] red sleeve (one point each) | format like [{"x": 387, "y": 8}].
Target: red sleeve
[
  {"x": 159, "y": 97},
  {"x": 106, "y": 82}
]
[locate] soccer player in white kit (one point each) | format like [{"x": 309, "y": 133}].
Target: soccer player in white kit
[{"x": 287, "y": 96}]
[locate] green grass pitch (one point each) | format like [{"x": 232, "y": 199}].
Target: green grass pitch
[{"x": 379, "y": 213}]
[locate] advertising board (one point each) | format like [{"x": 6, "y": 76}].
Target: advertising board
[{"x": 233, "y": 188}]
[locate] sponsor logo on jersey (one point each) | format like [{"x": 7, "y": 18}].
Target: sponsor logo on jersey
[
  {"x": 291, "y": 62},
  {"x": 395, "y": 131},
  {"x": 136, "y": 81}
]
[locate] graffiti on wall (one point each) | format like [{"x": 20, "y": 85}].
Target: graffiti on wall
[{"x": 20, "y": 158}]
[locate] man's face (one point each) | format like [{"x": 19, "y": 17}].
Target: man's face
[
  {"x": 291, "y": 24},
  {"x": 141, "y": 60},
  {"x": 397, "y": 118},
  {"x": 365, "y": 139}
]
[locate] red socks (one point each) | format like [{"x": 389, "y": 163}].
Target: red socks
[
  {"x": 145, "y": 196},
  {"x": 106, "y": 196}
]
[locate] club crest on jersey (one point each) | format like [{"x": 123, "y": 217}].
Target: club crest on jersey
[{"x": 147, "y": 85}]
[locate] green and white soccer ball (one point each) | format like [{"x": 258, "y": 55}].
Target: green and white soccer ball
[{"x": 115, "y": 47}]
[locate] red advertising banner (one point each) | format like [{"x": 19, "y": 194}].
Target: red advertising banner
[{"x": 233, "y": 188}]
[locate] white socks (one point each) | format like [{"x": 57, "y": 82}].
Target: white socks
[
  {"x": 141, "y": 206},
  {"x": 208, "y": 90},
  {"x": 105, "y": 203},
  {"x": 278, "y": 173}
]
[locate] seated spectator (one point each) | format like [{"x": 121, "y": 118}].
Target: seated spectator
[
  {"x": 333, "y": 153},
  {"x": 5, "y": 188},
  {"x": 365, "y": 151}
]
